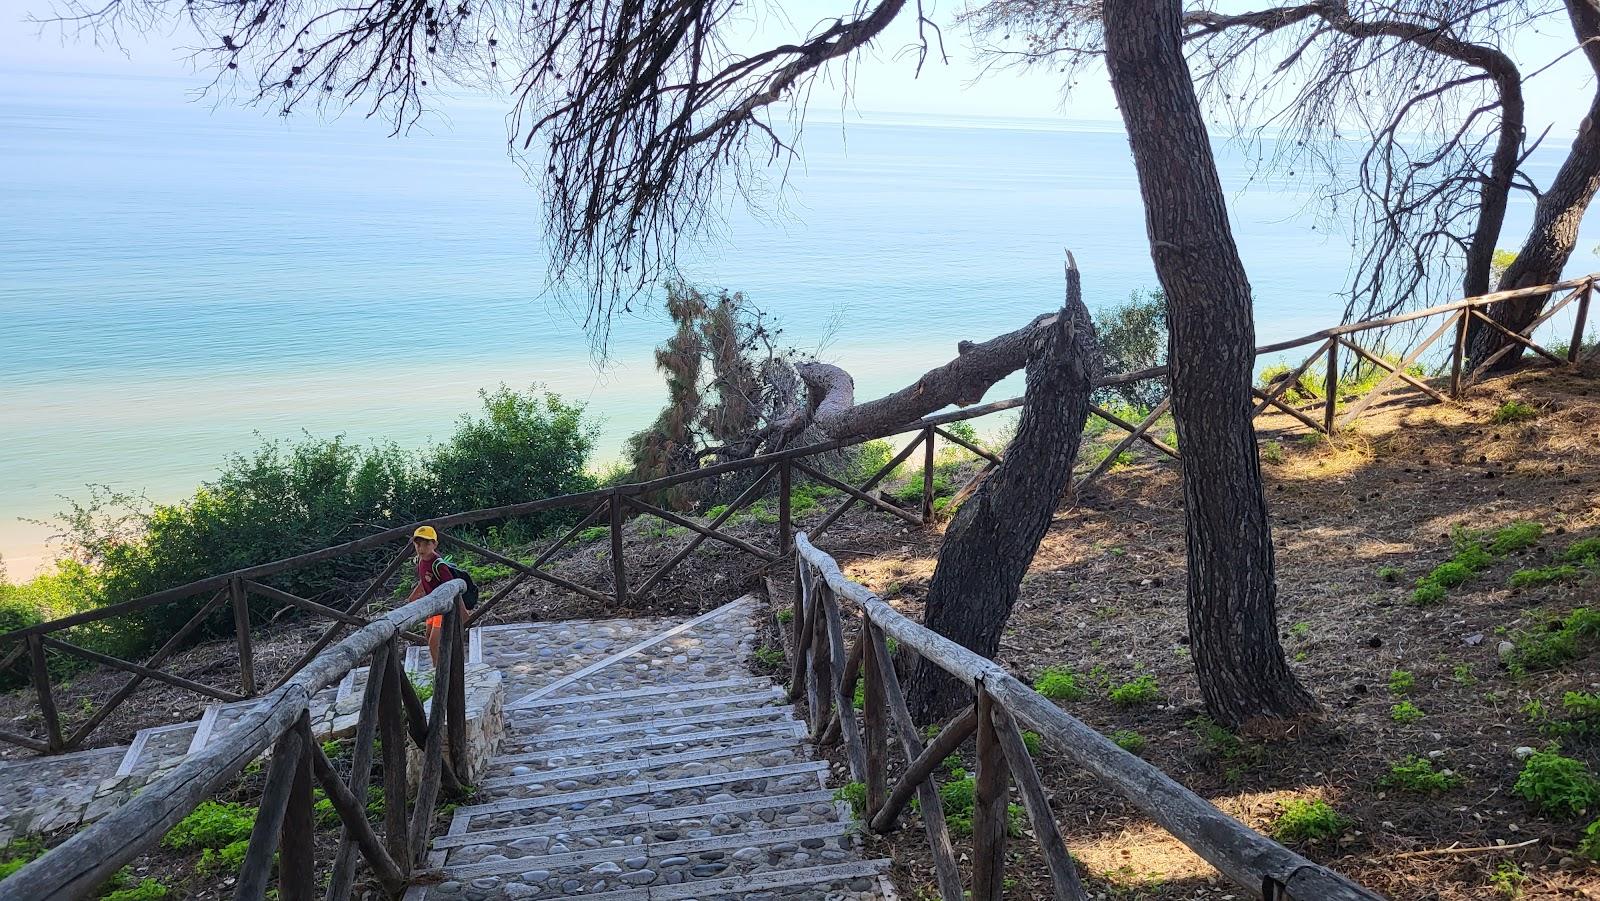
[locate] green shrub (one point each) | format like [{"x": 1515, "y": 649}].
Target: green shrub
[
  {"x": 1543, "y": 575},
  {"x": 1513, "y": 411},
  {"x": 1401, "y": 681},
  {"x": 1416, "y": 774},
  {"x": 1272, "y": 452},
  {"x": 1390, "y": 573},
  {"x": 19, "y": 853},
  {"x": 1427, "y": 593},
  {"x": 1128, "y": 740},
  {"x": 227, "y": 859},
  {"x": 1508, "y": 879},
  {"x": 422, "y": 683},
  {"x": 1301, "y": 820},
  {"x": 1584, "y": 552},
  {"x": 786, "y": 616},
  {"x": 1032, "y": 742},
  {"x": 1515, "y": 537},
  {"x": 1405, "y": 713},
  {"x": 1300, "y": 630},
  {"x": 1556, "y": 641},
  {"x": 147, "y": 889},
  {"x": 1133, "y": 336},
  {"x": 1059, "y": 685},
  {"x": 770, "y": 656},
  {"x": 1590, "y": 846},
  {"x": 1307, "y": 388},
  {"x": 1140, "y": 690},
  {"x": 855, "y": 794},
  {"x": 866, "y": 459},
  {"x": 1557, "y": 785}
]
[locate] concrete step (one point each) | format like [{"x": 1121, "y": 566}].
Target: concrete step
[
  {"x": 639, "y": 818},
  {"x": 581, "y": 732},
  {"x": 666, "y": 793}
]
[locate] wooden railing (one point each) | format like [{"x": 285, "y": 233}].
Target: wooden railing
[
  {"x": 28, "y": 647},
  {"x": 390, "y": 712},
  {"x": 826, "y": 668}
]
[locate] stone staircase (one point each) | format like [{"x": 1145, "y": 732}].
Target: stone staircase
[{"x": 660, "y": 769}]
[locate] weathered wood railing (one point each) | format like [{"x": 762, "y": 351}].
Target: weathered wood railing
[
  {"x": 28, "y": 647},
  {"x": 825, "y": 672},
  {"x": 390, "y": 713}
]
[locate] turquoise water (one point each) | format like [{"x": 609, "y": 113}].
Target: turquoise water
[{"x": 177, "y": 279}]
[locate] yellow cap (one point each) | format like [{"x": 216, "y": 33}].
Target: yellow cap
[{"x": 425, "y": 532}]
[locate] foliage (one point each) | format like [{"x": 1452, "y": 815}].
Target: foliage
[
  {"x": 228, "y": 858},
  {"x": 147, "y": 889},
  {"x": 594, "y": 533},
  {"x": 1218, "y": 741},
  {"x": 285, "y": 498},
  {"x": 1416, "y": 774},
  {"x": 855, "y": 794},
  {"x": 1305, "y": 389},
  {"x": 1128, "y": 740},
  {"x": 1032, "y": 742},
  {"x": 213, "y": 824},
  {"x": 1059, "y": 685},
  {"x": 1474, "y": 552},
  {"x": 1557, "y": 785},
  {"x": 1515, "y": 537},
  {"x": 1406, "y": 713},
  {"x": 785, "y": 616},
  {"x": 1513, "y": 411},
  {"x": 1390, "y": 573},
  {"x": 18, "y": 853},
  {"x": 1272, "y": 452},
  {"x": 1401, "y": 681},
  {"x": 1543, "y": 575},
  {"x": 958, "y": 796},
  {"x": 1590, "y": 846},
  {"x": 770, "y": 656},
  {"x": 1508, "y": 878},
  {"x": 1585, "y": 551},
  {"x": 1302, "y": 820},
  {"x": 865, "y": 461},
  {"x": 1555, "y": 641},
  {"x": 1133, "y": 336},
  {"x": 422, "y": 683},
  {"x": 1139, "y": 690}
]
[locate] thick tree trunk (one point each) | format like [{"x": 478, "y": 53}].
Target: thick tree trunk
[
  {"x": 1556, "y": 217},
  {"x": 991, "y": 542},
  {"x": 1232, "y": 590}
]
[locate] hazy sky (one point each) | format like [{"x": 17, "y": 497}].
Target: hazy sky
[{"x": 883, "y": 80}]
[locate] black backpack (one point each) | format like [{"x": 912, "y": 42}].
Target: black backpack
[{"x": 469, "y": 598}]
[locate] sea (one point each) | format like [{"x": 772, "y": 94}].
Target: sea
[{"x": 180, "y": 280}]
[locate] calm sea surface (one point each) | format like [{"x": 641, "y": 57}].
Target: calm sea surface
[{"x": 177, "y": 279}]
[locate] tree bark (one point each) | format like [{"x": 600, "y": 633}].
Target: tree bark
[
  {"x": 1556, "y": 217},
  {"x": 1231, "y": 587},
  {"x": 990, "y": 544}
]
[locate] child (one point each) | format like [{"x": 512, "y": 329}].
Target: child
[{"x": 431, "y": 573}]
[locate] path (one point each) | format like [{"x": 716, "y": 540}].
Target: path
[{"x": 649, "y": 764}]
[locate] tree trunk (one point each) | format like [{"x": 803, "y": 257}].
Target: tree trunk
[
  {"x": 1556, "y": 217},
  {"x": 1231, "y": 586},
  {"x": 991, "y": 542}
]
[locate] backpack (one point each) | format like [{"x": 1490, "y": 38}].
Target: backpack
[{"x": 469, "y": 598}]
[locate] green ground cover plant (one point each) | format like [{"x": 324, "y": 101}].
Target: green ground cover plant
[
  {"x": 1401, "y": 681},
  {"x": 1406, "y": 713},
  {"x": 1059, "y": 684},
  {"x": 1513, "y": 411},
  {"x": 1474, "y": 552},
  {"x": 1554, "y": 641},
  {"x": 1128, "y": 740},
  {"x": 1304, "y": 821},
  {"x": 212, "y": 824},
  {"x": 1417, "y": 774},
  {"x": 1556, "y": 785},
  {"x": 1139, "y": 690}
]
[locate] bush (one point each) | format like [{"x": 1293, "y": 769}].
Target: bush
[
  {"x": 228, "y": 858},
  {"x": 1557, "y": 785},
  {"x": 1556, "y": 641},
  {"x": 213, "y": 824},
  {"x": 770, "y": 656},
  {"x": 285, "y": 498},
  {"x": 1406, "y": 713},
  {"x": 1059, "y": 685},
  {"x": 1401, "y": 681},
  {"x": 1584, "y": 552},
  {"x": 1133, "y": 336},
  {"x": 1300, "y": 820},
  {"x": 1543, "y": 575},
  {"x": 1590, "y": 846},
  {"x": 19, "y": 853},
  {"x": 1416, "y": 774},
  {"x": 854, "y": 794},
  {"x": 1128, "y": 740},
  {"x": 1513, "y": 411},
  {"x": 1032, "y": 742},
  {"x": 146, "y": 890},
  {"x": 1141, "y": 690}
]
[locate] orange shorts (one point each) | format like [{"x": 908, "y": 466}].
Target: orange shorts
[{"x": 436, "y": 622}]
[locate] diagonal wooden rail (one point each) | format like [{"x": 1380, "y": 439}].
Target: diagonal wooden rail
[
  {"x": 1000, "y": 702},
  {"x": 251, "y": 597}
]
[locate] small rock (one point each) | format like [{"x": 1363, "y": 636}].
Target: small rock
[
  {"x": 1473, "y": 640},
  {"x": 1522, "y": 753},
  {"x": 1506, "y": 649}
]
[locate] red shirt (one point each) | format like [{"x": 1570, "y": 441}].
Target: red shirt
[{"x": 431, "y": 576}]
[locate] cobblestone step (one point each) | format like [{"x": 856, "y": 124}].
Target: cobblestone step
[
  {"x": 523, "y": 774},
  {"x": 580, "y": 731},
  {"x": 642, "y": 816},
  {"x": 684, "y": 738},
  {"x": 524, "y": 722},
  {"x": 744, "y": 683},
  {"x": 626, "y": 772}
]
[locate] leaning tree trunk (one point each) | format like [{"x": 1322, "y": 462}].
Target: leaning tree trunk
[
  {"x": 991, "y": 542},
  {"x": 1232, "y": 592},
  {"x": 1556, "y": 217}
]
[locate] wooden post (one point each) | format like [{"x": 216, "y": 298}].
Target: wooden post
[
  {"x": 927, "y": 476},
  {"x": 1331, "y": 386},
  {"x": 877, "y": 733},
  {"x": 989, "y": 807},
  {"x": 1578, "y": 324},
  {"x": 241, "y": 630},
  {"x": 281, "y": 779},
  {"x": 297, "y": 863},
  {"x": 844, "y": 685},
  {"x": 785, "y": 515},
  {"x": 821, "y": 664},
  {"x": 456, "y": 712},
  {"x": 433, "y": 748},
  {"x": 41, "y": 686},
  {"x": 1458, "y": 356},
  {"x": 343, "y": 874},
  {"x": 804, "y": 628},
  {"x": 392, "y": 733},
  {"x": 1063, "y": 872},
  {"x": 619, "y": 575}
]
